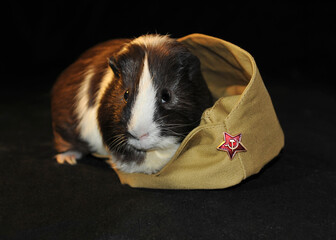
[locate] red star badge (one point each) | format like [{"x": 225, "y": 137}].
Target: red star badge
[{"x": 231, "y": 145}]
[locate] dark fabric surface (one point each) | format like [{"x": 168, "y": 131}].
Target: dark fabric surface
[{"x": 292, "y": 198}]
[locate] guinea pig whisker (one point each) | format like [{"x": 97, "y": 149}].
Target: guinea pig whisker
[
  {"x": 118, "y": 141},
  {"x": 114, "y": 137},
  {"x": 121, "y": 145},
  {"x": 181, "y": 124},
  {"x": 119, "y": 148},
  {"x": 115, "y": 140},
  {"x": 176, "y": 125},
  {"x": 171, "y": 132},
  {"x": 161, "y": 118}
]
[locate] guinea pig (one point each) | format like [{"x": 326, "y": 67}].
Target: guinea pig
[{"x": 133, "y": 100}]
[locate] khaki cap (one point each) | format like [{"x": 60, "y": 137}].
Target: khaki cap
[{"x": 243, "y": 110}]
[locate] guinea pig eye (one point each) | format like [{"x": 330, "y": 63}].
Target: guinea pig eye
[
  {"x": 126, "y": 95},
  {"x": 165, "y": 96}
]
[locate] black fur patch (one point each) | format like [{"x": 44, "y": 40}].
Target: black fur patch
[{"x": 176, "y": 70}]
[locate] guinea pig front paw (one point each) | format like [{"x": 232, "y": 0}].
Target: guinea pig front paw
[
  {"x": 110, "y": 162},
  {"x": 69, "y": 157}
]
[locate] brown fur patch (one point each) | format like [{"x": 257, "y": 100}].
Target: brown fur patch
[{"x": 65, "y": 90}]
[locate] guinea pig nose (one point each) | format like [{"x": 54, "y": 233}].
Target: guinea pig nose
[{"x": 144, "y": 136}]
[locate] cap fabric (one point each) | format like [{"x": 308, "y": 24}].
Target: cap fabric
[{"x": 243, "y": 107}]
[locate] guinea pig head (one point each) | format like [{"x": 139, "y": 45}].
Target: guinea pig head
[{"x": 156, "y": 97}]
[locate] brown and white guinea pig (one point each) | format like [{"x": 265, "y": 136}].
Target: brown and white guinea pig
[{"x": 134, "y": 100}]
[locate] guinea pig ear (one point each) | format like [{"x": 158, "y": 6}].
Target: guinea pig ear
[
  {"x": 114, "y": 67},
  {"x": 194, "y": 66}
]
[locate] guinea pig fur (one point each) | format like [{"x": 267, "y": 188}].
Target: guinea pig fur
[{"x": 133, "y": 100}]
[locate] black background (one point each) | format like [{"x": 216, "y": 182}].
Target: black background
[
  {"x": 293, "y": 198},
  {"x": 287, "y": 39}
]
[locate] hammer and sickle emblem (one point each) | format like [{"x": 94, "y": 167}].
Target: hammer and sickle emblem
[{"x": 231, "y": 144}]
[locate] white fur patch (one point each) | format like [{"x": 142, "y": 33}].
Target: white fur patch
[
  {"x": 151, "y": 40},
  {"x": 155, "y": 159},
  {"x": 146, "y": 131},
  {"x": 104, "y": 84},
  {"x": 141, "y": 124},
  {"x": 148, "y": 40},
  {"x": 88, "y": 123}
]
